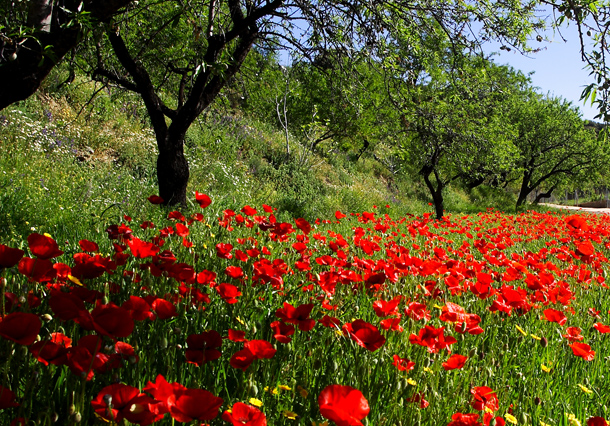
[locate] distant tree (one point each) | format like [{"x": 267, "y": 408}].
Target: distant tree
[
  {"x": 453, "y": 116},
  {"x": 178, "y": 56},
  {"x": 553, "y": 145},
  {"x": 35, "y": 35}
]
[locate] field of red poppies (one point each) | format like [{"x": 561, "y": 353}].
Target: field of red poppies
[{"x": 362, "y": 318}]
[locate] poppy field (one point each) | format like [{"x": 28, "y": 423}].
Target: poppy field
[{"x": 358, "y": 319}]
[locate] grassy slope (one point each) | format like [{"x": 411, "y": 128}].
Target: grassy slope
[{"x": 64, "y": 170}]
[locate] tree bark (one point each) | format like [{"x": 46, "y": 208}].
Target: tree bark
[
  {"x": 524, "y": 191},
  {"x": 437, "y": 195},
  {"x": 172, "y": 170},
  {"x": 24, "y": 64}
]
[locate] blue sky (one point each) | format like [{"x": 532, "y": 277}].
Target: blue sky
[{"x": 558, "y": 69}]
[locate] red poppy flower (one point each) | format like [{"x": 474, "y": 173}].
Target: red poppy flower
[
  {"x": 164, "y": 309},
  {"x": 260, "y": 349},
  {"x": 9, "y": 257},
  {"x": 484, "y": 398},
  {"x": 573, "y": 334},
  {"x": 364, "y": 334},
  {"x": 85, "y": 358},
  {"x": 53, "y": 351},
  {"x": 203, "y": 347},
  {"x": 577, "y": 222},
  {"x": 138, "y": 308},
  {"x": 330, "y": 322},
  {"x": 391, "y": 324},
  {"x": 242, "y": 359},
  {"x": 112, "y": 400},
  {"x": 111, "y": 320},
  {"x": 553, "y": 315},
  {"x": 418, "y": 311},
  {"x": 585, "y": 248},
  {"x": 282, "y": 331},
  {"x": 88, "y": 246},
  {"x": 339, "y": 215},
  {"x": 161, "y": 390},
  {"x": 202, "y": 199},
  {"x": 43, "y": 247},
  {"x": 234, "y": 272},
  {"x": 455, "y": 362},
  {"x": 248, "y": 211},
  {"x": 432, "y": 338},
  {"x": 403, "y": 364},
  {"x": 596, "y": 421},
  {"x": 303, "y": 225},
  {"x": 206, "y": 277},
  {"x": 385, "y": 309},
  {"x": 223, "y": 251},
  {"x": 343, "y": 405},
  {"x": 193, "y": 404},
  {"x": 244, "y": 415},
  {"x": 228, "y": 292},
  {"x": 418, "y": 398},
  {"x": 237, "y": 335},
  {"x": 155, "y": 199},
  {"x": 141, "y": 249},
  {"x": 583, "y": 350},
  {"x": 38, "y": 270},
  {"x": 298, "y": 316},
  {"x": 459, "y": 419},
  {"x": 182, "y": 230},
  {"x": 601, "y": 327},
  {"x": 7, "y": 398},
  {"x": 20, "y": 327}
]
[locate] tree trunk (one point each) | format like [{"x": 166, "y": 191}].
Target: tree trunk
[
  {"x": 524, "y": 191},
  {"x": 437, "y": 195},
  {"x": 24, "y": 63},
  {"x": 172, "y": 169},
  {"x": 39, "y": 14}
]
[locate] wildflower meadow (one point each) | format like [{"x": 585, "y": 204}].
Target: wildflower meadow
[{"x": 358, "y": 319}]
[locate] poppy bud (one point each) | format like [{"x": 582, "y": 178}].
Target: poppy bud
[
  {"x": 335, "y": 365},
  {"x": 12, "y": 57},
  {"x": 492, "y": 422},
  {"x": 481, "y": 355},
  {"x": 47, "y": 317},
  {"x": 472, "y": 352},
  {"x": 105, "y": 300},
  {"x": 76, "y": 417},
  {"x": 537, "y": 401},
  {"x": 71, "y": 409},
  {"x": 163, "y": 343},
  {"x": 544, "y": 342},
  {"x": 524, "y": 418}
]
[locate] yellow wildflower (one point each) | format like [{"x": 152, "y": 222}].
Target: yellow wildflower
[
  {"x": 544, "y": 424},
  {"x": 585, "y": 389},
  {"x": 510, "y": 418},
  {"x": 412, "y": 382},
  {"x": 284, "y": 387},
  {"x": 535, "y": 337},
  {"x": 428, "y": 370},
  {"x": 273, "y": 391},
  {"x": 545, "y": 368},
  {"x": 573, "y": 420},
  {"x": 256, "y": 402},
  {"x": 289, "y": 414},
  {"x": 522, "y": 331}
]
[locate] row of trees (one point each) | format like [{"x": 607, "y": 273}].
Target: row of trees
[
  {"x": 458, "y": 120},
  {"x": 408, "y": 72}
]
